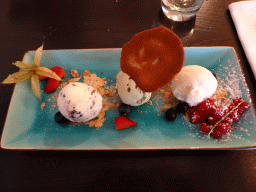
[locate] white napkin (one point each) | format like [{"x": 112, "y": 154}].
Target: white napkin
[{"x": 243, "y": 14}]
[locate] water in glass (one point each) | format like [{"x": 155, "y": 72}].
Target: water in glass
[{"x": 181, "y": 10}]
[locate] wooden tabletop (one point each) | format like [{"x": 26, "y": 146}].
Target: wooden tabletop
[{"x": 78, "y": 24}]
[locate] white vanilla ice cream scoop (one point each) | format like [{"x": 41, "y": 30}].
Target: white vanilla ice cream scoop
[
  {"x": 129, "y": 92},
  {"x": 79, "y": 102},
  {"x": 193, "y": 84}
]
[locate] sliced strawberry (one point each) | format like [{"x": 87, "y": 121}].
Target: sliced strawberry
[
  {"x": 52, "y": 84},
  {"x": 123, "y": 122},
  {"x": 59, "y": 71}
]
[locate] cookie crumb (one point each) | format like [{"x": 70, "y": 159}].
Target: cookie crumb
[
  {"x": 149, "y": 102},
  {"x": 74, "y": 73},
  {"x": 163, "y": 109},
  {"x": 76, "y": 79},
  {"x": 43, "y": 105},
  {"x": 108, "y": 94},
  {"x": 86, "y": 73}
]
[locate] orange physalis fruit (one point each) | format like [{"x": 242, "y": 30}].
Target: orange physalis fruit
[{"x": 152, "y": 58}]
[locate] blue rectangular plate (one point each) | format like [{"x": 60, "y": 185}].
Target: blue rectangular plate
[{"x": 27, "y": 126}]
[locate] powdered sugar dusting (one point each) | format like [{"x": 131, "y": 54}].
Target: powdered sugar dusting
[{"x": 231, "y": 81}]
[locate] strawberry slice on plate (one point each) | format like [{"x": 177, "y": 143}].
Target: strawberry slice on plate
[{"x": 123, "y": 122}]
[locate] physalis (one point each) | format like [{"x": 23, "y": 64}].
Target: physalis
[{"x": 32, "y": 71}]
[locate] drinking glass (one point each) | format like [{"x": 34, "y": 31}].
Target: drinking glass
[{"x": 181, "y": 10}]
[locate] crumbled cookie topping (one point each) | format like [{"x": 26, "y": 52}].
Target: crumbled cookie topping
[
  {"x": 74, "y": 73},
  {"x": 165, "y": 98},
  {"x": 43, "y": 105}
]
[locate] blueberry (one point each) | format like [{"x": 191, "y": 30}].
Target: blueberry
[
  {"x": 182, "y": 107},
  {"x": 214, "y": 74},
  {"x": 171, "y": 114},
  {"x": 59, "y": 118},
  {"x": 124, "y": 109}
]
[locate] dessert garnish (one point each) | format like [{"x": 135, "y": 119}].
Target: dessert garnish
[
  {"x": 123, "y": 122},
  {"x": 219, "y": 118},
  {"x": 182, "y": 107},
  {"x": 52, "y": 84},
  {"x": 171, "y": 114},
  {"x": 124, "y": 109},
  {"x": 152, "y": 58},
  {"x": 59, "y": 118},
  {"x": 32, "y": 71}
]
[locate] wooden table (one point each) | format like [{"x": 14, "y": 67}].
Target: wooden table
[{"x": 70, "y": 24}]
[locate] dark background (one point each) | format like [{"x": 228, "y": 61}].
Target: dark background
[{"x": 78, "y": 24}]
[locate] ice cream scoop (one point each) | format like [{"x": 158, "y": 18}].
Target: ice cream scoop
[
  {"x": 193, "y": 84},
  {"x": 129, "y": 92},
  {"x": 79, "y": 102}
]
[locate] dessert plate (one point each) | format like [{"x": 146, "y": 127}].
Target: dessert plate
[{"x": 28, "y": 126}]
